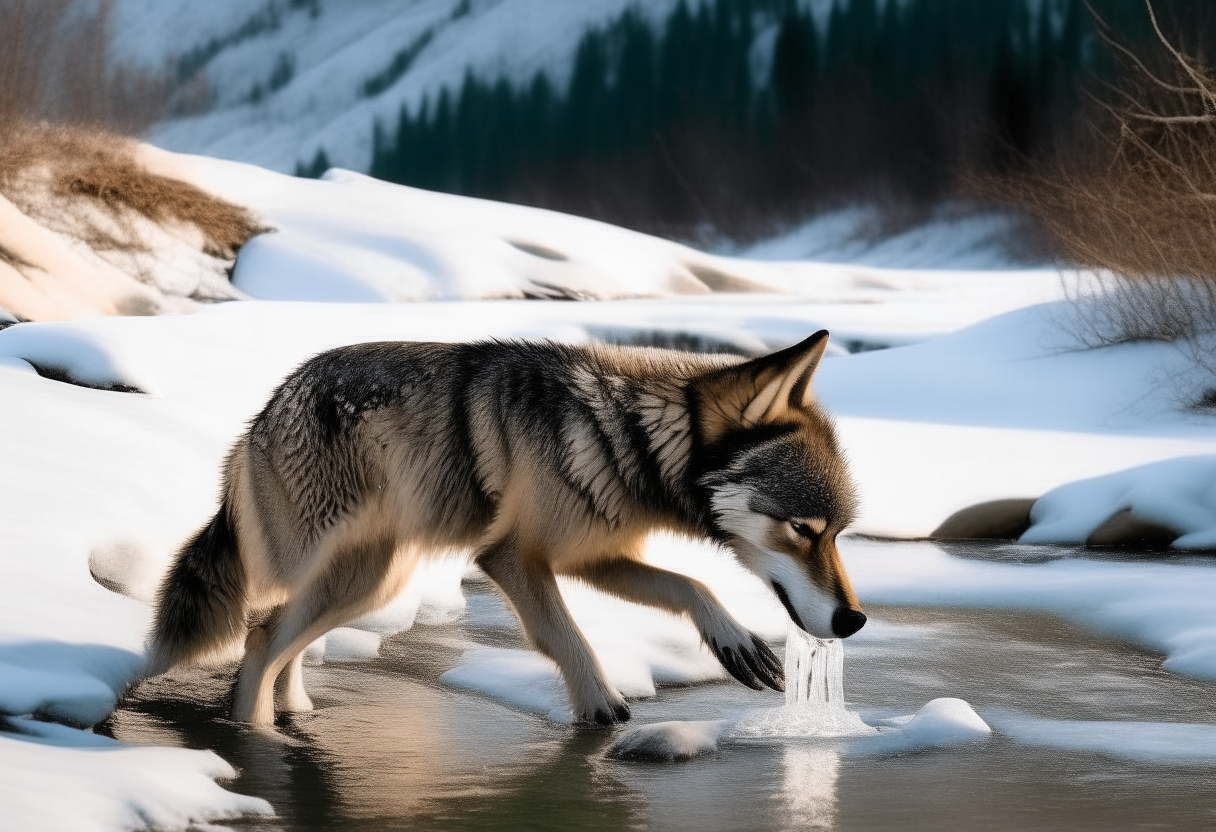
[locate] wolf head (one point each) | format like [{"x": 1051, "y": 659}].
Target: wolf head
[{"x": 778, "y": 488}]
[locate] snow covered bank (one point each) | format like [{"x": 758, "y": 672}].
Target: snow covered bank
[
  {"x": 1167, "y": 743},
  {"x": 351, "y": 238},
  {"x": 1172, "y": 501},
  {"x": 56, "y": 778}
]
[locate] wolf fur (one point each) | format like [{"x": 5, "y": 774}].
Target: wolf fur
[{"x": 541, "y": 459}]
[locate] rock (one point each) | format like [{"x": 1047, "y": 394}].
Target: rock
[
  {"x": 1126, "y": 529},
  {"x": 994, "y": 520}
]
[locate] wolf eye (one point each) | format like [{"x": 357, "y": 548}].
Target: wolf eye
[{"x": 803, "y": 530}]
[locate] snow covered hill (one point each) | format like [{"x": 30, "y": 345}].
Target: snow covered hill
[{"x": 285, "y": 78}]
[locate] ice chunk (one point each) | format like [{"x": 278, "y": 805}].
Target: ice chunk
[
  {"x": 668, "y": 741},
  {"x": 945, "y": 721},
  {"x": 1155, "y": 742}
]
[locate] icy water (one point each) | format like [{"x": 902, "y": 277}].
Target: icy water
[{"x": 390, "y": 748}]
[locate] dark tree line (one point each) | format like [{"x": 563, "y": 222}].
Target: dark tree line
[{"x": 735, "y": 115}]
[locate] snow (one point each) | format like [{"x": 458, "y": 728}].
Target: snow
[
  {"x": 968, "y": 241},
  {"x": 1163, "y": 743},
  {"x": 56, "y": 778},
  {"x": 345, "y": 644},
  {"x": 668, "y": 741},
  {"x": 986, "y": 395},
  {"x": 75, "y": 354},
  {"x": 521, "y": 678},
  {"x": 941, "y": 722},
  {"x": 1179, "y": 494}
]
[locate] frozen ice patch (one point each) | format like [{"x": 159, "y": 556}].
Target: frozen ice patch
[
  {"x": 520, "y": 678},
  {"x": 941, "y": 722},
  {"x": 1153, "y": 742}
]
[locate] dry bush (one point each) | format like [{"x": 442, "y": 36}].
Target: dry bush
[
  {"x": 62, "y": 163},
  {"x": 1137, "y": 203}
]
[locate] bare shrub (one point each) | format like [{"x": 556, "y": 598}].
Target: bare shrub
[
  {"x": 1137, "y": 202},
  {"x": 54, "y": 65},
  {"x": 37, "y": 162}
]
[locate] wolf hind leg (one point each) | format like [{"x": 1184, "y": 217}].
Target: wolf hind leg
[
  {"x": 354, "y": 577},
  {"x": 289, "y": 693},
  {"x": 743, "y": 655},
  {"x": 532, "y": 590}
]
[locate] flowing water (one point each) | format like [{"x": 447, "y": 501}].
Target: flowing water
[
  {"x": 814, "y": 696},
  {"x": 814, "y": 670},
  {"x": 390, "y": 747}
]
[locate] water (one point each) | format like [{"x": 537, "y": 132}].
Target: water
[
  {"x": 391, "y": 748},
  {"x": 814, "y": 696},
  {"x": 814, "y": 670}
]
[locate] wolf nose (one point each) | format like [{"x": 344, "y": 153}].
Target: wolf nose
[{"x": 845, "y": 621}]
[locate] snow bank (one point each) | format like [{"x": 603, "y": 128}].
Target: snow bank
[
  {"x": 1166, "y": 743},
  {"x": 55, "y": 778},
  {"x": 349, "y": 238},
  {"x": 1178, "y": 495},
  {"x": 73, "y": 356},
  {"x": 941, "y": 722}
]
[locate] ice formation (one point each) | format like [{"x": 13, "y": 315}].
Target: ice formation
[{"x": 814, "y": 696}]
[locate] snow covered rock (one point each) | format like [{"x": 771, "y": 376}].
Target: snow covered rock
[
  {"x": 941, "y": 722},
  {"x": 1168, "y": 502},
  {"x": 667, "y": 741}
]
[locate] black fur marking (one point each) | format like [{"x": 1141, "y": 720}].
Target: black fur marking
[
  {"x": 766, "y": 665},
  {"x": 789, "y": 607},
  {"x": 201, "y": 604}
]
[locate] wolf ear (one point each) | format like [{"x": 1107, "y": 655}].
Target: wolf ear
[{"x": 762, "y": 389}]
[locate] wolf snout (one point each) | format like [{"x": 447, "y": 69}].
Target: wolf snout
[{"x": 847, "y": 621}]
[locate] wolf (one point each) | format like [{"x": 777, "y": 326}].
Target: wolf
[{"x": 542, "y": 459}]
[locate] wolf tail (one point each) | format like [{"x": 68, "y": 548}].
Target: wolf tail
[{"x": 200, "y": 607}]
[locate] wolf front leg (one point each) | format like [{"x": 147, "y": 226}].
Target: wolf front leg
[
  {"x": 531, "y": 588},
  {"x": 745, "y": 656}
]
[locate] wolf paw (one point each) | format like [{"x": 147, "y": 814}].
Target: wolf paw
[
  {"x": 609, "y": 711},
  {"x": 749, "y": 660}
]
